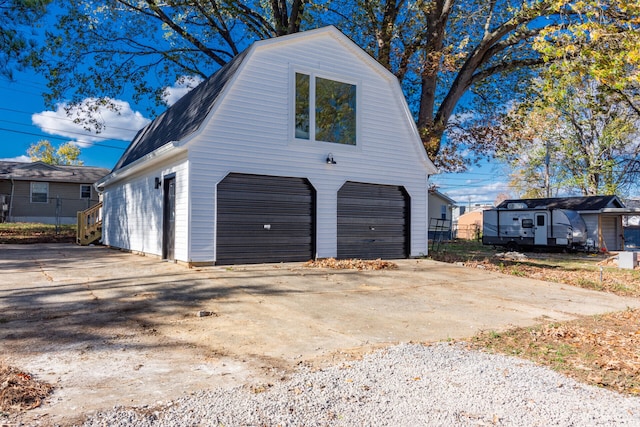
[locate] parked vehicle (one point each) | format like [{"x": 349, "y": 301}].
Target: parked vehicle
[{"x": 521, "y": 227}]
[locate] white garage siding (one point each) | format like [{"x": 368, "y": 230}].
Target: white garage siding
[
  {"x": 242, "y": 121},
  {"x": 251, "y": 131},
  {"x": 132, "y": 213}
]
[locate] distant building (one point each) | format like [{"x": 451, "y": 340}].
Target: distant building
[
  {"x": 441, "y": 209},
  {"x": 49, "y": 194}
]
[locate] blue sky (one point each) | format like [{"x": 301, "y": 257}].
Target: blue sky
[{"x": 24, "y": 120}]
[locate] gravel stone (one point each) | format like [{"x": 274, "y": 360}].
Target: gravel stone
[{"x": 406, "y": 385}]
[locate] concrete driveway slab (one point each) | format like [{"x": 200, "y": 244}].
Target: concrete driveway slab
[{"x": 112, "y": 328}]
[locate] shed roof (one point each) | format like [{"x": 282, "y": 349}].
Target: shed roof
[
  {"x": 587, "y": 203},
  {"x": 39, "y": 171}
]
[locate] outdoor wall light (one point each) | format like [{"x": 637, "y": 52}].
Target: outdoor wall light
[
  {"x": 330, "y": 160},
  {"x": 158, "y": 182}
]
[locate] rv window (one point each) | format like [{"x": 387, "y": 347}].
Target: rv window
[{"x": 527, "y": 223}]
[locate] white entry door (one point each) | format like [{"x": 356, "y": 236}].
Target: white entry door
[{"x": 540, "y": 236}]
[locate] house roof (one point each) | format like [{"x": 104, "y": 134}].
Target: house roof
[
  {"x": 589, "y": 203},
  {"x": 182, "y": 118},
  {"x": 442, "y": 196},
  {"x": 39, "y": 171}
]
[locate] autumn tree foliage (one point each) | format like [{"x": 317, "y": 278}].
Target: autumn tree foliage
[
  {"x": 574, "y": 136},
  {"x": 64, "y": 154},
  {"x": 451, "y": 56}
]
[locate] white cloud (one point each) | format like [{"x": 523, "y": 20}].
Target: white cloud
[
  {"x": 184, "y": 84},
  {"x": 116, "y": 120},
  {"x": 477, "y": 194},
  {"x": 23, "y": 158}
]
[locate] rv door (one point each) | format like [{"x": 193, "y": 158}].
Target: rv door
[{"x": 540, "y": 229}]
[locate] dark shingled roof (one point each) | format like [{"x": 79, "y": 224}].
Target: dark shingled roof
[
  {"x": 182, "y": 118},
  {"x": 39, "y": 171},
  {"x": 589, "y": 203}
]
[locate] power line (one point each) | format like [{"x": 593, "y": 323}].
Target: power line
[
  {"x": 12, "y": 110},
  {"x": 59, "y": 138}
]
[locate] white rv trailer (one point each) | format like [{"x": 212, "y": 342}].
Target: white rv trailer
[{"x": 517, "y": 226}]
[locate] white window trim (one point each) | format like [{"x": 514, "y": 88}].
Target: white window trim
[
  {"x": 312, "y": 107},
  {"x": 31, "y": 191},
  {"x": 85, "y": 185}
]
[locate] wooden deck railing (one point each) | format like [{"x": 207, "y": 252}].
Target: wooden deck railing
[{"x": 89, "y": 225}]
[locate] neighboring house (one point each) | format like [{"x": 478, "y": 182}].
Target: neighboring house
[
  {"x": 602, "y": 216},
  {"x": 39, "y": 192},
  {"x": 440, "y": 215},
  {"x": 301, "y": 147}
]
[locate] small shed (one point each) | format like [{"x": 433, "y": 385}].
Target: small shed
[
  {"x": 469, "y": 225},
  {"x": 301, "y": 147},
  {"x": 631, "y": 225}
]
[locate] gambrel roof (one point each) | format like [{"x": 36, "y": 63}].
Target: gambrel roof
[
  {"x": 588, "y": 203},
  {"x": 182, "y": 118},
  {"x": 187, "y": 116},
  {"x": 39, "y": 171}
]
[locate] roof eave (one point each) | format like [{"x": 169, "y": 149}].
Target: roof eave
[{"x": 142, "y": 163}]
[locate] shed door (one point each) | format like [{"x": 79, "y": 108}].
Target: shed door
[
  {"x": 611, "y": 233},
  {"x": 373, "y": 221},
  {"x": 264, "y": 219}
]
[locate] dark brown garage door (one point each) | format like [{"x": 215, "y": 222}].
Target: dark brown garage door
[
  {"x": 265, "y": 219},
  {"x": 372, "y": 221}
]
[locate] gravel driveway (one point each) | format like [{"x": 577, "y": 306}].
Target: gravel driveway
[{"x": 405, "y": 385}]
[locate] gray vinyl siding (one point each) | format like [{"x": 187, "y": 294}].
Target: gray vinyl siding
[
  {"x": 252, "y": 132},
  {"x": 68, "y": 194},
  {"x": 611, "y": 230}
]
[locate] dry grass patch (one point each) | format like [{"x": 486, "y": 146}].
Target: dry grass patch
[
  {"x": 598, "y": 350},
  {"x": 19, "y": 391},
  {"x": 24, "y": 232},
  {"x": 598, "y": 272},
  {"x": 351, "y": 264}
]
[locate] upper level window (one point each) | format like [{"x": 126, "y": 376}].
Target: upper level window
[
  {"x": 39, "y": 192},
  {"x": 443, "y": 211},
  {"x": 325, "y": 110},
  {"x": 85, "y": 191}
]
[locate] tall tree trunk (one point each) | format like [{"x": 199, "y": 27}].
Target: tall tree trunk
[{"x": 432, "y": 130}]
